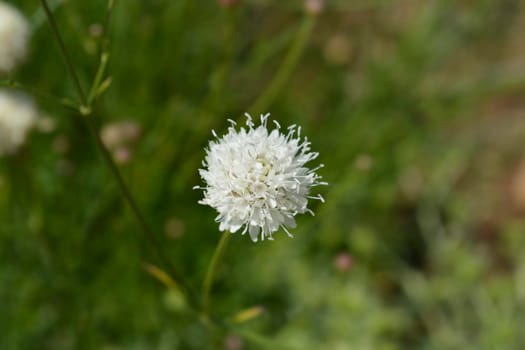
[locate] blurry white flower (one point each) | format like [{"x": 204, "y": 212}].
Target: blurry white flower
[
  {"x": 228, "y": 3},
  {"x": 314, "y": 7},
  {"x": 233, "y": 342},
  {"x": 257, "y": 179},
  {"x": 338, "y": 50},
  {"x": 121, "y": 133},
  {"x": 119, "y": 137},
  {"x": 343, "y": 262},
  {"x": 17, "y": 115},
  {"x": 364, "y": 162},
  {"x": 14, "y": 34},
  {"x": 46, "y": 124},
  {"x": 61, "y": 144},
  {"x": 96, "y": 30},
  {"x": 122, "y": 155},
  {"x": 174, "y": 228}
]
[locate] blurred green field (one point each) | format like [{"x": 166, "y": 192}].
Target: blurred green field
[{"x": 416, "y": 107}]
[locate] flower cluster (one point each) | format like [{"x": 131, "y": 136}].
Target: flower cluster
[
  {"x": 17, "y": 115},
  {"x": 257, "y": 180},
  {"x": 14, "y": 35}
]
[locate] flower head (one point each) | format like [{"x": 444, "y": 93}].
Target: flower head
[
  {"x": 257, "y": 179},
  {"x": 17, "y": 116},
  {"x": 14, "y": 34}
]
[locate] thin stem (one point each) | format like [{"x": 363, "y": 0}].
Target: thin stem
[
  {"x": 98, "y": 77},
  {"x": 287, "y": 67},
  {"x": 147, "y": 231},
  {"x": 86, "y": 110},
  {"x": 40, "y": 94},
  {"x": 65, "y": 55},
  {"x": 212, "y": 268},
  {"x": 104, "y": 40},
  {"x": 39, "y": 17}
]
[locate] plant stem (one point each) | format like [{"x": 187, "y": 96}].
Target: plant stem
[
  {"x": 212, "y": 268},
  {"x": 68, "y": 104},
  {"x": 287, "y": 67},
  {"x": 65, "y": 55},
  {"x": 98, "y": 77},
  {"x": 146, "y": 230},
  {"x": 86, "y": 109}
]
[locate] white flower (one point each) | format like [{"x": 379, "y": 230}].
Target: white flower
[
  {"x": 14, "y": 34},
  {"x": 119, "y": 138},
  {"x": 17, "y": 116},
  {"x": 257, "y": 179},
  {"x": 121, "y": 133}
]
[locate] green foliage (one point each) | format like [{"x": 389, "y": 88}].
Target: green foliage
[{"x": 414, "y": 107}]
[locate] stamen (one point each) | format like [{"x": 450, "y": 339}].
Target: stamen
[
  {"x": 287, "y": 232},
  {"x": 264, "y": 118},
  {"x": 249, "y": 121}
]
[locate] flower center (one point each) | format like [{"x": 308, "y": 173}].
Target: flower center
[{"x": 262, "y": 166}]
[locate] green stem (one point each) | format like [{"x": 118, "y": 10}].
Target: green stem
[
  {"x": 40, "y": 94},
  {"x": 212, "y": 268},
  {"x": 86, "y": 110},
  {"x": 146, "y": 230},
  {"x": 98, "y": 77},
  {"x": 39, "y": 18},
  {"x": 287, "y": 67},
  {"x": 65, "y": 55},
  {"x": 104, "y": 39}
]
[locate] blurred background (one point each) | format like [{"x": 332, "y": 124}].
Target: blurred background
[{"x": 416, "y": 107}]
